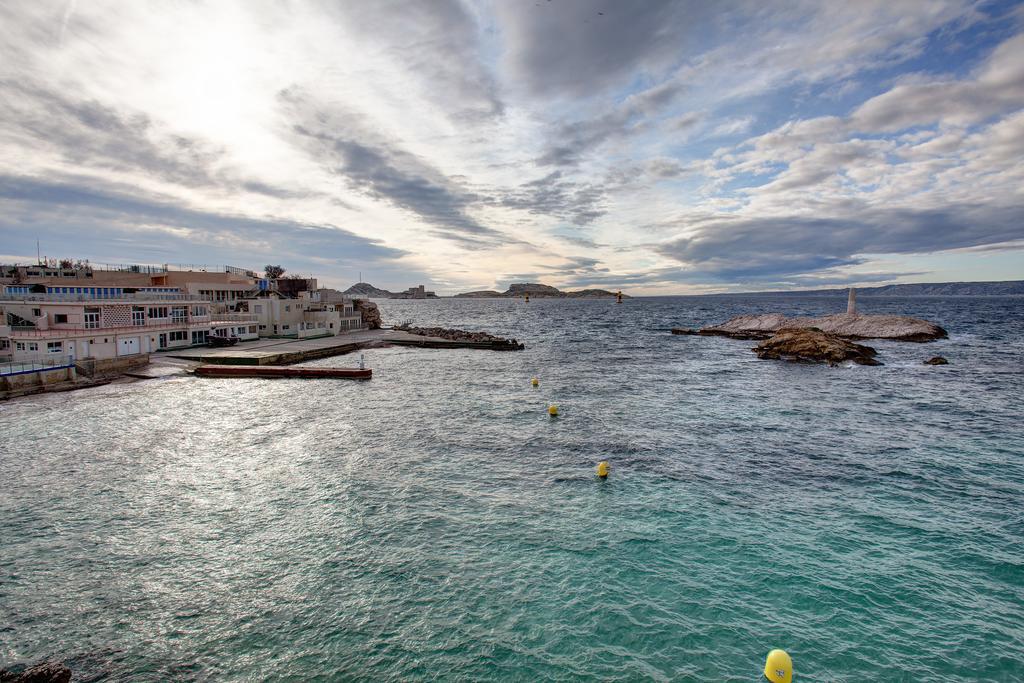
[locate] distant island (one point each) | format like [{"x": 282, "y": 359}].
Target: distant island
[
  {"x": 365, "y": 289},
  {"x": 999, "y": 288},
  {"x": 539, "y": 291}
]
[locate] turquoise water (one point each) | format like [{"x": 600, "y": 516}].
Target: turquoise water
[{"x": 436, "y": 523}]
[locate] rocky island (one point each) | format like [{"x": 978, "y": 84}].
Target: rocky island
[
  {"x": 814, "y": 346},
  {"x": 539, "y": 291},
  {"x": 826, "y": 339},
  {"x": 849, "y": 326}
]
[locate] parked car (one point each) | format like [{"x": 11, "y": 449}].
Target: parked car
[{"x": 222, "y": 340}]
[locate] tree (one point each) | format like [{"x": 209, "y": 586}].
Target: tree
[{"x": 273, "y": 272}]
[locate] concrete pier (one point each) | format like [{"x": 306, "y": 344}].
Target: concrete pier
[{"x": 288, "y": 351}]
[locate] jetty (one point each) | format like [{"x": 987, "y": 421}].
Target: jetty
[
  {"x": 274, "y": 371},
  {"x": 291, "y": 351}
]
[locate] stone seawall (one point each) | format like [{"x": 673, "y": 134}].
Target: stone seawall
[
  {"x": 34, "y": 382},
  {"x": 91, "y": 367}
]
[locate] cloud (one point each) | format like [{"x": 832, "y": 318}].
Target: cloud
[
  {"x": 438, "y": 41},
  {"x": 574, "y": 48},
  {"x": 383, "y": 171},
  {"x": 748, "y": 249},
  {"x": 119, "y": 223},
  {"x": 997, "y": 87},
  {"x": 554, "y": 195}
]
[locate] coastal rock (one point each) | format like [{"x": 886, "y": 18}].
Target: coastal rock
[
  {"x": 370, "y": 313},
  {"x": 45, "y": 672},
  {"x": 684, "y": 330},
  {"x": 936, "y": 360},
  {"x": 893, "y": 327},
  {"x": 462, "y": 335},
  {"x": 814, "y": 346}
]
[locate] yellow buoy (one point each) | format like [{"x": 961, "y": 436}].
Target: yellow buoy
[
  {"x": 602, "y": 469},
  {"x": 553, "y": 410},
  {"x": 535, "y": 382},
  {"x": 778, "y": 667}
]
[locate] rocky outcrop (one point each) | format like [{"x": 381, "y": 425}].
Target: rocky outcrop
[
  {"x": 45, "y": 672},
  {"x": 368, "y": 290},
  {"x": 370, "y": 313},
  {"x": 936, "y": 360},
  {"x": 684, "y": 330},
  {"x": 894, "y": 327},
  {"x": 814, "y": 346},
  {"x": 463, "y": 336}
]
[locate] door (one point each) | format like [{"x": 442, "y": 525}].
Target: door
[
  {"x": 128, "y": 346},
  {"x": 162, "y": 343}
]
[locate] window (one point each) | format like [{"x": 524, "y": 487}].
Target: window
[
  {"x": 287, "y": 307},
  {"x": 258, "y": 308},
  {"x": 54, "y": 347},
  {"x": 59, "y": 318},
  {"x": 37, "y": 312},
  {"x": 285, "y": 327},
  {"x": 252, "y": 329},
  {"x": 178, "y": 314},
  {"x": 138, "y": 315},
  {"x": 157, "y": 312},
  {"x": 200, "y": 336},
  {"x": 263, "y": 327},
  {"x": 92, "y": 318},
  {"x": 199, "y": 311},
  {"x": 178, "y": 335}
]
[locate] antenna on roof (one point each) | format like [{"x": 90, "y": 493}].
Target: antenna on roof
[{"x": 39, "y": 260}]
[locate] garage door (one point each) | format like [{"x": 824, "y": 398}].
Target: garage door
[{"x": 126, "y": 347}]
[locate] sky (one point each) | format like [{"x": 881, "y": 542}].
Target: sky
[{"x": 657, "y": 147}]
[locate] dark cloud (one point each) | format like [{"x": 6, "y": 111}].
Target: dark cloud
[
  {"x": 554, "y": 195},
  {"x": 386, "y": 172},
  {"x": 440, "y": 41},
  {"x": 91, "y": 135},
  {"x": 746, "y": 249},
  {"x": 577, "y": 48},
  {"x": 571, "y": 141},
  {"x": 117, "y": 223}
]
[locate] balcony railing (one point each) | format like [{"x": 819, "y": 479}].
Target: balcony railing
[
  {"x": 136, "y": 296},
  {"x": 64, "y": 332},
  {"x": 37, "y": 364}
]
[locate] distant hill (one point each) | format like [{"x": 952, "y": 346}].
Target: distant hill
[
  {"x": 539, "y": 291},
  {"x": 368, "y": 290},
  {"x": 1003, "y": 288}
]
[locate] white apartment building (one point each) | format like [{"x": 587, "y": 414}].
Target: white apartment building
[{"x": 100, "y": 326}]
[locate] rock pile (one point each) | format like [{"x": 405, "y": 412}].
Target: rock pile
[
  {"x": 369, "y": 311},
  {"x": 45, "y": 672},
  {"x": 463, "y": 335},
  {"x": 936, "y": 360},
  {"x": 814, "y": 346}
]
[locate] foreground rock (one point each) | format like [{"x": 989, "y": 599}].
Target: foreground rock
[
  {"x": 464, "y": 336},
  {"x": 370, "y": 313},
  {"x": 936, "y": 360},
  {"x": 850, "y": 326},
  {"x": 814, "y": 346},
  {"x": 46, "y": 672}
]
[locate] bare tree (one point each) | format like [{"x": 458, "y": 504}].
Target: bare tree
[{"x": 273, "y": 272}]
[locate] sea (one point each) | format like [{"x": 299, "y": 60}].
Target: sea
[{"x": 435, "y": 523}]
